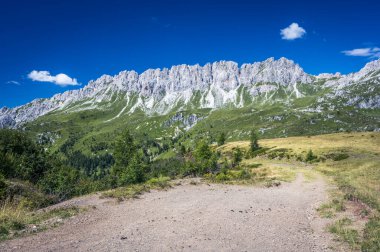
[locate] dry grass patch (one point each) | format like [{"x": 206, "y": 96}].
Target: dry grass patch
[
  {"x": 15, "y": 220},
  {"x": 360, "y": 142}
]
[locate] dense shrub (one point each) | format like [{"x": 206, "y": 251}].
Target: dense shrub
[
  {"x": 20, "y": 157},
  {"x": 61, "y": 181}
]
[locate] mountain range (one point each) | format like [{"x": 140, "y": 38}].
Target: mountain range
[
  {"x": 214, "y": 86},
  {"x": 275, "y": 96}
]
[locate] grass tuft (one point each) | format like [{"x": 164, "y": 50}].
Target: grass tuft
[
  {"x": 328, "y": 210},
  {"x": 343, "y": 230}
]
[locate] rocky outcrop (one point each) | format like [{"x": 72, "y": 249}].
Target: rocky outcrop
[{"x": 186, "y": 121}]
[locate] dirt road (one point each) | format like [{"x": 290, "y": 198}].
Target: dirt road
[{"x": 194, "y": 218}]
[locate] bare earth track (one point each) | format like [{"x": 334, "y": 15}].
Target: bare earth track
[{"x": 194, "y": 218}]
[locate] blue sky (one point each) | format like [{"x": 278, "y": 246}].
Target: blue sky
[{"x": 82, "y": 40}]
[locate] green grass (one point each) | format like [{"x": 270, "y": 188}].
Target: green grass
[
  {"x": 238, "y": 175},
  {"x": 329, "y": 210},
  {"x": 134, "y": 191},
  {"x": 343, "y": 230},
  {"x": 371, "y": 235},
  {"x": 358, "y": 178}
]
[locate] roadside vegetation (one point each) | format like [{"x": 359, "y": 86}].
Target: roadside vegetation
[
  {"x": 33, "y": 176},
  {"x": 16, "y": 221},
  {"x": 135, "y": 190},
  {"x": 350, "y": 161}
]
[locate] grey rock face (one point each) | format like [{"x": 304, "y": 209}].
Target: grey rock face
[
  {"x": 187, "y": 121},
  {"x": 161, "y": 91}
]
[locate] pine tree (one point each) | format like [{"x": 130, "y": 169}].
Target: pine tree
[
  {"x": 125, "y": 149},
  {"x": 202, "y": 151},
  {"x": 182, "y": 150},
  {"x": 206, "y": 159},
  {"x": 133, "y": 173},
  {"x": 128, "y": 168},
  {"x": 237, "y": 156},
  {"x": 254, "y": 141},
  {"x": 221, "y": 139},
  {"x": 310, "y": 156}
]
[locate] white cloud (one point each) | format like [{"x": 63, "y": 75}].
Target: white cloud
[
  {"x": 59, "y": 79},
  {"x": 372, "y": 52},
  {"x": 358, "y": 52},
  {"x": 292, "y": 32},
  {"x": 14, "y": 82}
]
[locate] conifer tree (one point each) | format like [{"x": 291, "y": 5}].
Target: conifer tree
[
  {"x": 254, "y": 141},
  {"x": 221, "y": 139}
]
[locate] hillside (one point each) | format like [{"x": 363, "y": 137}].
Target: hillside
[{"x": 185, "y": 102}]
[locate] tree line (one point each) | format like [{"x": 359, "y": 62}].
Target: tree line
[{"x": 23, "y": 159}]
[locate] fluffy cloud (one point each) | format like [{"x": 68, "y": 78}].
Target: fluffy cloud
[
  {"x": 59, "y": 79},
  {"x": 373, "y": 52},
  {"x": 292, "y": 32}
]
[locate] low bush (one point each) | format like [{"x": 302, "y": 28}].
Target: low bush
[
  {"x": 310, "y": 157},
  {"x": 221, "y": 177},
  {"x": 337, "y": 156},
  {"x": 240, "y": 174},
  {"x": 279, "y": 153},
  {"x": 161, "y": 182},
  {"x": 133, "y": 191}
]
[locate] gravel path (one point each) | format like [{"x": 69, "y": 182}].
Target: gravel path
[{"x": 194, "y": 218}]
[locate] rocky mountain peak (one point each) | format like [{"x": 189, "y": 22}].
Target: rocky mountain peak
[
  {"x": 160, "y": 91},
  {"x": 371, "y": 71},
  {"x": 370, "y": 67}
]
